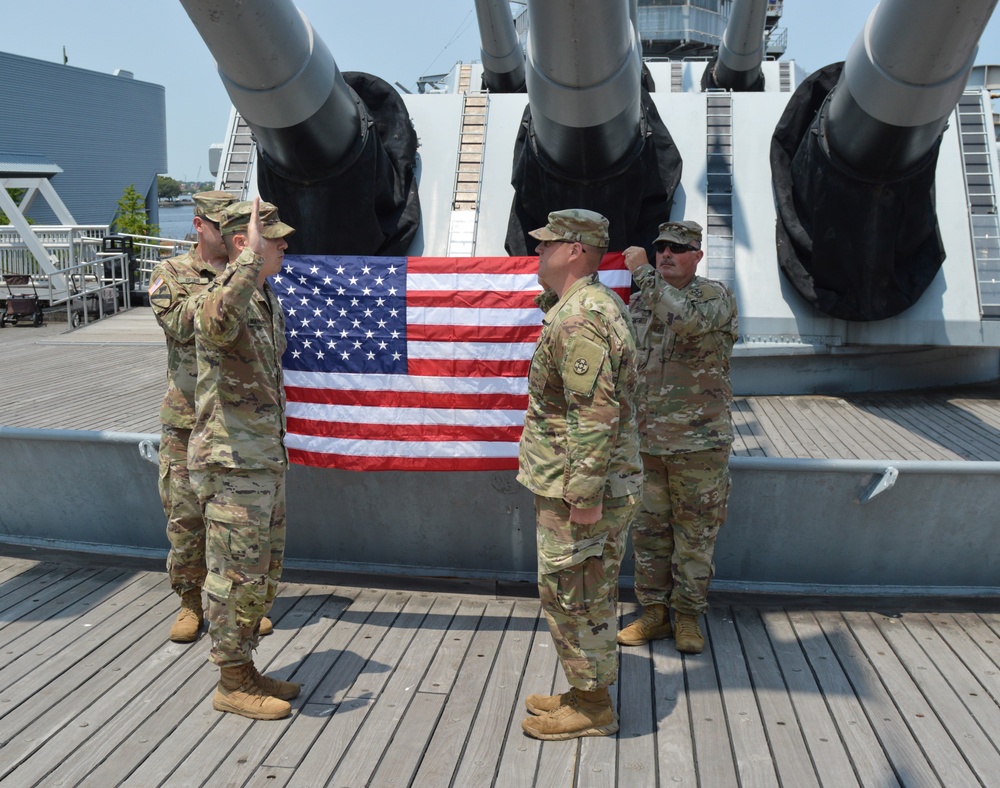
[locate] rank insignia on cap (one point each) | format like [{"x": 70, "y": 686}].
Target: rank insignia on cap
[{"x": 580, "y": 366}]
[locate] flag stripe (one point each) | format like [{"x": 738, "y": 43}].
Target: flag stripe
[
  {"x": 469, "y": 368},
  {"x": 493, "y": 265},
  {"x": 404, "y": 384},
  {"x": 417, "y": 332},
  {"x": 389, "y": 419},
  {"x": 471, "y": 299},
  {"x": 474, "y": 317},
  {"x": 402, "y": 432},
  {"x": 402, "y": 400},
  {"x": 395, "y": 448},
  {"x": 349, "y": 462}
]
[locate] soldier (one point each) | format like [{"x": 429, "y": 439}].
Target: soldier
[
  {"x": 174, "y": 281},
  {"x": 236, "y": 456},
  {"x": 686, "y": 327},
  {"x": 579, "y": 455}
]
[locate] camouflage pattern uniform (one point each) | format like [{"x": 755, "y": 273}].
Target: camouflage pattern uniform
[
  {"x": 685, "y": 340},
  {"x": 236, "y": 454},
  {"x": 580, "y": 447},
  {"x": 173, "y": 282}
]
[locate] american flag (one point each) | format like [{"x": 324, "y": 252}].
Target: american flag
[{"x": 411, "y": 363}]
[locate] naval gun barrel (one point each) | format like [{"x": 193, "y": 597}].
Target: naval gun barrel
[
  {"x": 742, "y": 49},
  {"x": 583, "y": 75},
  {"x": 855, "y": 154},
  {"x": 591, "y": 136},
  {"x": 503, "y": 60},
  {"x": 336, "y": 152},
  {"x": 901, "y": 81},
  {"x": 282, "y": 79}
]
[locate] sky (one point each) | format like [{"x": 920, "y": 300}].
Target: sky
[{"x": 397, "y": 40}]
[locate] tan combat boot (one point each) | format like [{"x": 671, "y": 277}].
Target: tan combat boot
[
  {"x": 238, "y": 693},
  {"x": 543, "y": 704},
  {"x": 266, "y": 627},
  {"x": 276, "y": 688},
  {"x": 653, "y": 624},
  {"x": 589, "y": 713},
  {"x": 688, "y": 634},
  {"x": 188, "y": 622}
]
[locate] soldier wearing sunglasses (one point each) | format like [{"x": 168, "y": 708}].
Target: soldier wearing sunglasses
[{"x": 686, "y": 327}]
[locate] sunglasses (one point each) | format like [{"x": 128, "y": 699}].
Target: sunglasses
[{"x": 662, "y": 246}]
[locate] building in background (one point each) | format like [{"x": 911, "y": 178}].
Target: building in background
[{"x": 105, "y": 131}]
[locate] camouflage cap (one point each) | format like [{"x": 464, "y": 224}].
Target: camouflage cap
[
  {"x": 575, "y": 224},
  {"x": 210, "y": 204},
  {"x": 680, "y": 232},
  {"x": 236, "y": 219}
]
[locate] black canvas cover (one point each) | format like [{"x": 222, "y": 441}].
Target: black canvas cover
[
  {"x": 856, "y": 248},
  {"x": 366, "y": 205},
  {"x": 635, "y": 199}
]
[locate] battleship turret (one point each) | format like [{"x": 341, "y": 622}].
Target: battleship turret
[
  {"x": 591, "y": 136},
  {"x": 854, "y": 159},
  {"x": 503, "y": 60},
  {"x": 324, "y": 138},
  {"x": 737, "y": 66}
]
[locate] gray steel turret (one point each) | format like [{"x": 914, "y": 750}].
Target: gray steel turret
[
  {"x": 741, "y": 52},
  {"x": 319, "y": 139},
  {"x": 854, "y": 159},
  {"x": 591, "y": 136},
  {"x": 503, "y": 60}
]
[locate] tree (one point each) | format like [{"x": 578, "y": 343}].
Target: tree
[
  {"x": 15, "y": 195},
  {"x": 131, "y": 216},
  {"x": 167, "y": 188}
]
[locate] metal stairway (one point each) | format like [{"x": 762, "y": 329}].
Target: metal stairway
[{"x": 240, "y": 155}]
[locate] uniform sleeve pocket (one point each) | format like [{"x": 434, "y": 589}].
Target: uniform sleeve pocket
[{"x": 583, "y": 364}]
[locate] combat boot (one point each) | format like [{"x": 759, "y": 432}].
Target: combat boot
[
  {"x": 188, "y": 622},
  {"x": 543, "y": 704},
  {"x": 688, "y": 634},
  {"x": 266, "y": 627},
  {"x": 276, "y": 688},
  {"x": 589, "y": 713},
  {"x": 238, "y": 693},
  {"x": 653, "y": 624}
]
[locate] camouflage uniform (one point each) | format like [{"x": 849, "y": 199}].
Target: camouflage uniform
[
  {"x": 685, "y": 340},
  {"x": 580, "y": 447},
  {"x": 236, "y": 454},
  {"x": 173, "y": 282}
]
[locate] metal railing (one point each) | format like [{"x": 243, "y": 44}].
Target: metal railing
[
  {"x": 65, "y": 245},
  {"x": 87, "y": 290},
  {"x": 148, "y": 251},
  {"x": 70, "y": 250}
]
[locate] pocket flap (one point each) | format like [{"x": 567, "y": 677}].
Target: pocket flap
[{"x": 562, "y": 555}]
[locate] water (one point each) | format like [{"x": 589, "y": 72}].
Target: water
[{"x": 176, "y": 221}]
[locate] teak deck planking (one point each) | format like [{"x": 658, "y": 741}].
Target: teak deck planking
[{"x": 404, "y": 687}]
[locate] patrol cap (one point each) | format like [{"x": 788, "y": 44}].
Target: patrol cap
[
  {"x": 577, "y": 225},
  {"x": 236, "y": 219},
  {"x": 210, "y": 204},
  {"x": 680, "y": 232}
]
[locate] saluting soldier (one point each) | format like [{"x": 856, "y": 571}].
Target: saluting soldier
[
  {"x": 579, "y": 455},
  {"x": 686, "y": 327},
  {"x": 173, "y": 282},
  {"x": 236, "y": 454}
]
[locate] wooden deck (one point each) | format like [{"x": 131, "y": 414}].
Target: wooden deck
[
  {"x": 110, "y": 376},
  {"x": 426, "y": 689},
  {"x": 424, "y": 685}
]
